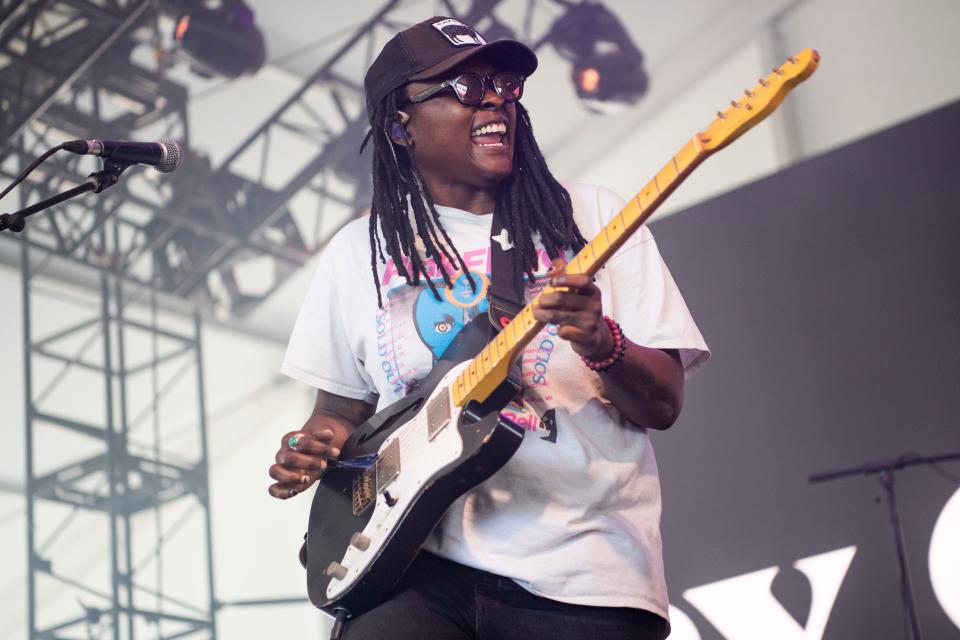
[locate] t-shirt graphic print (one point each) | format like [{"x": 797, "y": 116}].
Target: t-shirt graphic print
[{"x": 436, "y": 319}]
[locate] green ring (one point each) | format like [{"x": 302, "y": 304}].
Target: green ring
[{"x": 292, "y": 442}]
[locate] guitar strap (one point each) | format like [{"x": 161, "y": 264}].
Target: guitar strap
[{"x": 505, "y": 295}]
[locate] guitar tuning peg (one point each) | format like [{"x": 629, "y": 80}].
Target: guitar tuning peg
[
  {"x": 748, "y": 93},
  {"x": 792, "y": 60},
  {"x": 720, "y": 116},
  {"x": 748, "y": 106},
  {"x": 763, "y": 82},
  {"x": 733, "y": 103},
  {"x": 777, "y": 71}
]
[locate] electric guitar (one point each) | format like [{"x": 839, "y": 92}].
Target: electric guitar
[{"x": 400, "y": 471}]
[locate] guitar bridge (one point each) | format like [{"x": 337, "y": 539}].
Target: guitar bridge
[
  {"x": 364, "y": 492},
  {"x": 377, "y": 478}
]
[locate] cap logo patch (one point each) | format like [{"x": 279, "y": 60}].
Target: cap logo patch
[{"x": 459, "y": 34}]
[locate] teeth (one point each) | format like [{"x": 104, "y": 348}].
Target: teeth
[{"x": 496, "y": 127}]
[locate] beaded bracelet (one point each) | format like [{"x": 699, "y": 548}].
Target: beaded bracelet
[{"x": 616, "y": 354}]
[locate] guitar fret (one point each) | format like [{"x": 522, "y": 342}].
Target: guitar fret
[
  {"x": 487, "y": 362},
  {"x": 502, "y": 347},
  {"x": 576, "y": 265},
  {"x": 502, "y": 352},
  {"x": 472, "y": 376},
  {"x": 648, "y": 196},
  {"x": 600, "y": 244},
  {"x": 587, "y": 258},
  {"x": 617, "y": 225},
  {"x": 606, "y": 237},
  {"x": 511, "y": 332},
  {"x": 687, "y": 155},
  {"x": 667, "y": 175}
]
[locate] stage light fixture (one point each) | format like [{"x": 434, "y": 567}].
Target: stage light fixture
[
  {"x": 607, "y": 65},
  {"x": 221, "y": 39}
]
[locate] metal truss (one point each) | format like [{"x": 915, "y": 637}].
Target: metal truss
[
  {"x": 100, "y": 369},
  {"x": 93, "y": 69},
  {"x": 75, "y": 69}
]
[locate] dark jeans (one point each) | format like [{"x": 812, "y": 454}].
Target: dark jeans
[{"x": 442, "y": 600}]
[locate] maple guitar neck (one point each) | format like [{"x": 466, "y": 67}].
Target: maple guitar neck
[{"x": 490, "y": 367}]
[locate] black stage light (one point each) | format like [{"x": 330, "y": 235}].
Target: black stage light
[
  {"x": 221, "y": 39},
  {"x": 607, "y": 66}
]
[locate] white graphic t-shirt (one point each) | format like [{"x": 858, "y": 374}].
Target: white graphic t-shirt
[{"x": 575, "y": 514}]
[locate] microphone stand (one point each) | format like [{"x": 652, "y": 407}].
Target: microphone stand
[
  {"x": 96, "y": 182},
  {"x": 886, "y": 468}
]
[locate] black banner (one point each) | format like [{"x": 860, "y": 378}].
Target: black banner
[{"x": 830, "y": 296}]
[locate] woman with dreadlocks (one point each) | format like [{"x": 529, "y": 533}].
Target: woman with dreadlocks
[{"x": 563, "y": 541}]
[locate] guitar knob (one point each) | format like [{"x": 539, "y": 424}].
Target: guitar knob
[
  {"x": 391, "y": 500},
  {"x": 360, "y": 541},
  {"x": 336, "y": 570}
]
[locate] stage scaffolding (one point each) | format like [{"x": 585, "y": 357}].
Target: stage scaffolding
[
  {"x": 129, "y": 360},
  {"x": 99, "y": 467}
]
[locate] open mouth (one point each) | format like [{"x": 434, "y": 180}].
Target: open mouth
[{"x": 489, "y": 135}]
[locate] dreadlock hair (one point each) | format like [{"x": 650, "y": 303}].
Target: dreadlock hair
[{"x": 531, "y": 202}]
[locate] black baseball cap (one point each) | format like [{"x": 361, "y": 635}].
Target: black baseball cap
[{"x": 429, "y": 48}]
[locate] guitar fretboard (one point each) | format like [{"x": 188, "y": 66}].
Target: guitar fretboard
[{"x": 489, "y": 368}]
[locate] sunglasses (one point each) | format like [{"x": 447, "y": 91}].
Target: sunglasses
[{"x": 469, "y": 88}]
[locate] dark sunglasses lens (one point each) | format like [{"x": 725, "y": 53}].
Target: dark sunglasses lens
[
  {"x": 469, "y": 89},
  {"x": 508, "y": 85}
]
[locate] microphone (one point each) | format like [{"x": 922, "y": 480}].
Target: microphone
[{"x": 165, "y": 155}]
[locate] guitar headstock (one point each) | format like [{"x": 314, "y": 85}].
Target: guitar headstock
[{"x": 757, "y": 103}]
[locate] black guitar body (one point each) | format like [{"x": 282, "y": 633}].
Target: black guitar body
[{"x": 488, "y": 443}]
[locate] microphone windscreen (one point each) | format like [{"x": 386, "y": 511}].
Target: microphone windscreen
[{"x": 173, "y": 157}]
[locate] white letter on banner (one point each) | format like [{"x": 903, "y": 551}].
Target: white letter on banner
[
  {"x": 743, "y": 608},
  {"x": 945, "y": 559},
  {"x": 681, "y": 626}
]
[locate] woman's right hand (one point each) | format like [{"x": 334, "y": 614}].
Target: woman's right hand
[{"x": 298, "y": 466}]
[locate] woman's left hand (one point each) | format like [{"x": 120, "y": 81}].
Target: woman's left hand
[{"x": 577, "y": 310}]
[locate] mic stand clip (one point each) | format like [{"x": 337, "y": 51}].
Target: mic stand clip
[{"x": 96, "y": 182}]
